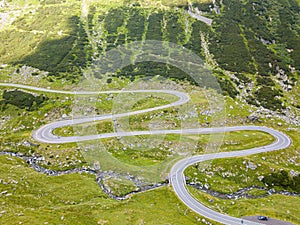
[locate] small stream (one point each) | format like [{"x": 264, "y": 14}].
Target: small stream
[
  {"x": 141, "y": 186},
  {"x": 244, "y": 192}
]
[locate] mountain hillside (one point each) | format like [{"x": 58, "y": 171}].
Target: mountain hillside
[{"x": 253, "y": 46}]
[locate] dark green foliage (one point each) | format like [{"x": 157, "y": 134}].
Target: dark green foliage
[
  {"x": 174, "y": 30},
  {"x": 144, "y": 69},
  {"x": 296, "y": 183},
  {"x": 111, "y": 42},
  {"x": 268, "y": 98},
  {"x": 194, "y": 43},
  {"x": 136, "y": 24},
  {"x": 155, "y": 25},
  {"x": 253, "y": 37},
  {"x": 255, "y": 21},
  {"x": 23, "y": 100},
  {"x": 283, "y": 180},
  {"x": 174, "y": 72},
  {"x": 253, "y": 17},
  {"x": 227, "y": 87},
  {"x": 204, "y": 7},
  {"x": 262, "y": 55},
  {"x": 35, "y": 74},
  {"x": 283, "y": 30},
  {"x": 230, "y": 50},
  {"x": 121, "y": 39},
  {"x": 114, "y": 19},
  {"x": 90, "y": 17},
  {"x": 251, "y": 100},
  {"x": 150, "y": 69},
  {"x": 49, "y": 54},
  {"x": 264, "y": 81},
  {"x": 243, "y": 78},
  {"x": 289, "y": 35}
]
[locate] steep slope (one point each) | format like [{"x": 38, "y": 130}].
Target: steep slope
[{"x": 253, "y": 46}]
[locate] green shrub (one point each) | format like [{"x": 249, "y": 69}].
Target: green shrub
[
  {"x": 243, "y": 78},
  {"x": 204, "y": 7},
  {"x": 136, "y": 24},
  {"x": 227, "y": 87},
  {"x": 268, "y": 98},
  {"x": 283, "y": 180},
  {"x": 194, "y": 42},
  {"x": 229, "y": 48},
  {"x": 23, "y": 100},
  {"x": 155, "y": 26},
  {"x": 114, "y": 19},
  {"x": 264, "y": 81},
  {"x": 174, "y": 30}
]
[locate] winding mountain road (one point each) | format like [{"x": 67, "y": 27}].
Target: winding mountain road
[{"x": 177, "y": 179}]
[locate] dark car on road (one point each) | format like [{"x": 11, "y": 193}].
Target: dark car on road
[{"x": 262, "y": 218}]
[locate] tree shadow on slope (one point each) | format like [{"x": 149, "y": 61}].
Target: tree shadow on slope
[{"x": 62, "y": 57}]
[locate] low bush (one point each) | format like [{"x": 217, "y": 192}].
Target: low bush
[
  {"x": 23, "y": 100},
  {"x": 268, "y": 98},
  {"x": 264, "y": 81},
  {"x": 283, "y": 180}
]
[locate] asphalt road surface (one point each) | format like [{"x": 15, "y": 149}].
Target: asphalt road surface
[
  {"x": 201, "y": 18},
  {"x": 270, "y": 221},
  {"x": 177, "y": 179}
]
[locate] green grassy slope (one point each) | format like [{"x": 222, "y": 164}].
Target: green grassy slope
[
  {"x": 252, "y": 40},
  {"x": 253, "y": 50},
  {"x": 32, "y": 198}
]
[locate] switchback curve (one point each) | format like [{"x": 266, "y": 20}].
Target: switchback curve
[{"x": 177, "y": 179}]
